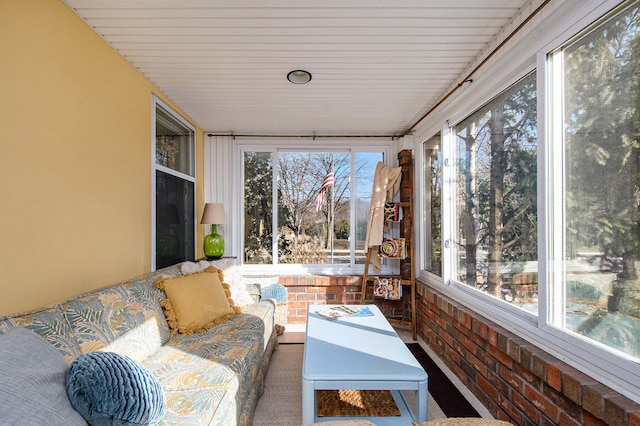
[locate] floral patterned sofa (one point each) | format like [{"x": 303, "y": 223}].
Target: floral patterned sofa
[{"x": 210, "y": 378}]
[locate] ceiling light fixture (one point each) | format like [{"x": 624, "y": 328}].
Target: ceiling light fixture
[{"x": 299, "y": 76}]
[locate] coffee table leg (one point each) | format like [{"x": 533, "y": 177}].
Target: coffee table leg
[
  {"x": 421, "y": 403},
  {"x": 308, "y": 402}
]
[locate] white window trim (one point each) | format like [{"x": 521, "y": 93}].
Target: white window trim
[
  {"x": 155, "y": 102},
  {"x": 243, "y": 144},
  {"x": 561, "y": 21}
]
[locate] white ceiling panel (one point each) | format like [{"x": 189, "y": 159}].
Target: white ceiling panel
[{"x": 377, "y": 65}]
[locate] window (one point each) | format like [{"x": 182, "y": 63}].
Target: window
[
  {"x": 540, "y": 193},
  {"x": 305, "y": 207},
  {"x": 433, "y": 205},
  {"x": 174, "y": 184},
  {"x": 496, "y": 208},
  {"x": 597, "y": 289}
]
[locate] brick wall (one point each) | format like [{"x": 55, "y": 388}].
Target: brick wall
[
  {"x": 305, "y": 290},
  {"x": 515, "y": 380}
]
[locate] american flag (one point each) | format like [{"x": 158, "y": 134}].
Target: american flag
[{"x": 328, "y": 181}]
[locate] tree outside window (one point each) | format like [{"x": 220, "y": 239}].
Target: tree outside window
[
  {"x": 315, "y": 206},
  {"x": 601, "y": 126},
  {"x": 496, "y": 238}
]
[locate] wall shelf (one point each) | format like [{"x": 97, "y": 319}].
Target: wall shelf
[{"x": 407, "y": 265}]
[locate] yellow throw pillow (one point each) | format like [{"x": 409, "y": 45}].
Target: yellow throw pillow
[{"x": 195, "y": 302}]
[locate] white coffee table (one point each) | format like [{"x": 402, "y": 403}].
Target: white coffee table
[{"x": 360, "y": 353}]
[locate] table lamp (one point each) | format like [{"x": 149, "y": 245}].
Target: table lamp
[{"x": 213, "y": 243}]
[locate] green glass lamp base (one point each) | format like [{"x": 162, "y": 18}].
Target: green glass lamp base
[{"x": 213, "y": 246}]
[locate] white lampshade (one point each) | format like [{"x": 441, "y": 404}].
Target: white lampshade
[{"x": 214, "y": 214}]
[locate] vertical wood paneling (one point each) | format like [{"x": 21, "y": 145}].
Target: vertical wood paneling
[{"x": 217, "y": 182}]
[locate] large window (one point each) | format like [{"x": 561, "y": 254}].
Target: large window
[
  {"x": 433, "y": 205},
  {"x": 496, "y": 235},
  {"x": 307, "y": 207},
  {"x": 533, "y": 199},
  {"x": 597, "y": 290},
  {"x": 174, "y": 183}
]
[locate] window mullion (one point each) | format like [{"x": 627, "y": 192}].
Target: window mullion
[
  {"x": 555, "y": 244},
  {"x": 352, "y": 212},
  {"x": 274, "y": 208},
  {"x": 448, "y": 203}
]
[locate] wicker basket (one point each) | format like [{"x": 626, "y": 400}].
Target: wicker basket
[{"x": 282, "y": 314}]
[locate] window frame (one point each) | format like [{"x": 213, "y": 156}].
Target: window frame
[
  {"x": 424, "y": 263},
  {"x": 527, "y": 54},
  {"x": 155, "y": 167},
  {"x": 274, "y": 145}
]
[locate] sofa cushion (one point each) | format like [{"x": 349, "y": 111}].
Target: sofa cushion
[
  {"x": 196, "y": 302},
  {"x": 112, "y": 389},
  {"x": 32, "y": 381},
  {"x": 125, "y": 318}
]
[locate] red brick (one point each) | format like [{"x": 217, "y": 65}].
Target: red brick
[
  {"x": 477, "y": 365},
  {"x": 493, "y": 337},
  {"x": 527, "y": 408},
  {"x": 634, "y": 418},
  {"x": 320, "y": 281},
  {"x": 514, "y": 348},
  {"x": 616, "y": 408},
  {"x": 464, "y": 319},
  {"x": 500, "y": 356},
  {"x": 554, "y": 376},
  {"x": 511, "y": 379},
  {"x": 542, "y": 403},
  {"x": 526, "y": 356},
  {"x": 497, "y": 382},
  {"x": 441, "y": 322},
  {"x": 593, "y": 396},
  {"x": 539, "y": 363},
  {"x": 526, "y": 375},
  {"x": 565, "y": 420},
  {"x": 468, "y": 344},
  {"x": 488, "y": 388},
  {"x": 446, "y": 337},
  {"x": 572, "y": 383},
  {"x": 511, "y": 410},
  {"x": 503, "y": 343},
  {"x": 487, "y": 359},
  {"x": 591, "y": 420},
  {"x": 304, "y": 296},
  {"x": 565, "y": 405}
]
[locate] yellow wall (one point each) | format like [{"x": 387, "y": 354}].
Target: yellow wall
[{"x": 75, "y": 159}]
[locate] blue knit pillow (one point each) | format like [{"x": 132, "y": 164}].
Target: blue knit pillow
[
  {"x": 107, "y": 388},
  {"x": 275, "y": 291}
]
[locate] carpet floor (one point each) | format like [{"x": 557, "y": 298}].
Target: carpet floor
[{"x": 281, "y": 403}]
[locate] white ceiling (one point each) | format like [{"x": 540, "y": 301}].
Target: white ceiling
[{"x": 377, "y": 65}]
